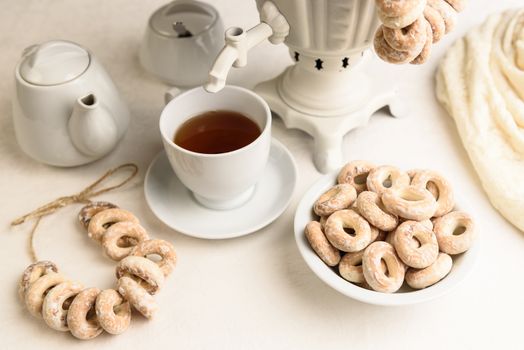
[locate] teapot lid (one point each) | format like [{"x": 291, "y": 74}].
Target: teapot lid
[{"x": 54, "y": 62}]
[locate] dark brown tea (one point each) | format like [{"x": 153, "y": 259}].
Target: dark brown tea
[{"x": 216, "y": 132}]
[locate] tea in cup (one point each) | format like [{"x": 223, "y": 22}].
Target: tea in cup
[
  {"x": 216, "y": 132},
  {"x": 217, "y": 143}
]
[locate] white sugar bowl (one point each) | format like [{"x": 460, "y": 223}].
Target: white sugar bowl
[
  {"x": 66, "y": 109},
  {"x": 181, "y": 42}
]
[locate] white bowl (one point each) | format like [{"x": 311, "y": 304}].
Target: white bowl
[{"x": 462, "y": 264}]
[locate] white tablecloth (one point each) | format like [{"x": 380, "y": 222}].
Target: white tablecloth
[{"x": 253, "y": 292}]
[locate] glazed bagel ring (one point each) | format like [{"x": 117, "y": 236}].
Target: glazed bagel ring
[
  {"x": 334, "y": 230},
  {"x": 430, "y": 186},
  {"x": 458, "y": 5},
  {"x": 137, "y": 296},
  {"x": 376, "y": 234},
  {"x": 447, "y": 12},
  {"x": 391, "y": 235},
  {"x": 79, "y": 324},
  {"x": 370, "y": 207},
  {"x": 383, "y": 174},
  {"x": 159, "y": 247},
  {"x": 444, "y": 197},
  {"x": 424, "y": 54},
  {"x": 389, "y": 54},
  {"x": 390, "y": 238},
  {"x": 54, "y": 308},
  {"x": 336, "y": 198},
  {"x": 131, "y": 231},
  {"x": 355, "y": 173},
  {"x": 320, "y": 244},
  {"x": 322, "y": 222},
  {"x": 401, "y": 20},
  {"x": 144, "y": 270},
  {"x": 419, "y": 279},
  {"x": 410, "y": 203},
  {"x": 428, "y": 223},
  {"x": 112, "y": 311},
  {"x": 91, "y": 209},
  {"x": 436, "y": 22},
  {"x": 32, "y": 273},
  {"x": 445, "y": 227},
  {"x": 34, "y": 297},
  {"x": 412, "y": 37},
  {"x": 99, "y": 222},
  {"x": 418, "y": 257},
  {"x": 396, "y": 7},
  {"x": 374, "y": 274},
  {"x": 350, "y": 267},
  {"x": 433, "y": 189},
  {"x": 381, "y": 236}
]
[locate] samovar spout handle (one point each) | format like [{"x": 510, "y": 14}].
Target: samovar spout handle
[{"x": 273, "y": 26}]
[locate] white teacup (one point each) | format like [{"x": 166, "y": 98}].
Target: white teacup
[{"x": 225, "y": 180}]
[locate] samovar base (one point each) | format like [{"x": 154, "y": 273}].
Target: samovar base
[{"x": 328, "y": 132}]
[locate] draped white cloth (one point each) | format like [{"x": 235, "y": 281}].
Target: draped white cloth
[{"x": 481, "y": 84}]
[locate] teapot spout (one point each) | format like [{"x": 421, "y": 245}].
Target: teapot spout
[{"x": 92, "y": 128}]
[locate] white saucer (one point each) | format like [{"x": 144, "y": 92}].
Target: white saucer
[{"x": 174, "y": 204}]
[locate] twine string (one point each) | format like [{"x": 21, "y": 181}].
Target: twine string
[{"x": 83, "y": 196}]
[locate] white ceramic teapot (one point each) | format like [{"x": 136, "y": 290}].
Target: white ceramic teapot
[{"x": 66, "y": 109}]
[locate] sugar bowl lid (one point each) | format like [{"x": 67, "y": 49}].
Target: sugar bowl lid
[
  {"x": 195, "y": 16},
  {"x": 53, "y": 62}
]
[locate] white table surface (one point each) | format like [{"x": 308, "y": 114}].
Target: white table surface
[{"x": 254, "y": 292}]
